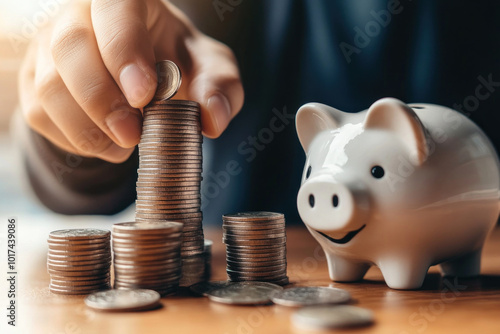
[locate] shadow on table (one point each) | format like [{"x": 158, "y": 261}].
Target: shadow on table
[{"x": 434, "y": 282}]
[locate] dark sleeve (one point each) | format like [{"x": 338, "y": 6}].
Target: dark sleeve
[{"x": 70, "y": 184}]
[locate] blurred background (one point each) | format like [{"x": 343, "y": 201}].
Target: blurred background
[
  {"x": 292, "y": 52},
  {"x": 15, "y": 195}
]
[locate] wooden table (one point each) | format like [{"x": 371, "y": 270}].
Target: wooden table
[{"x": 441, "y": 306}]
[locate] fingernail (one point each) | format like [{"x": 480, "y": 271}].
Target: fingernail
[
  {"x": 135, "y": 84},
  {"x": 125, "y": 126},
  {"x": 220, "y": 109}
]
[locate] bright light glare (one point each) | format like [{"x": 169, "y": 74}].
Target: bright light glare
[{"x": 14, "y": 12}]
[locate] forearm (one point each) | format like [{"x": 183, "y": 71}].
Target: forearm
[{"x": 70, "y": 184}]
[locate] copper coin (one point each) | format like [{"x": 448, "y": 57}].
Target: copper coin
[{"x": 169, "y": 80}]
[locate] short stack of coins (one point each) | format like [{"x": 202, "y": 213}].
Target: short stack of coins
[
  {"x": 79, "y": 261},
  {"x": 170, "y": 167},
  {"x": 147, "y": 256},
  {"x": 255, "y": 247}
]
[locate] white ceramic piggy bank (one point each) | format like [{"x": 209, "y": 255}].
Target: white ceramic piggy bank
[{"x": 402, "y": 187}]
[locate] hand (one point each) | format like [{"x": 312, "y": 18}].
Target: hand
[{"x": 86, "y": 75}]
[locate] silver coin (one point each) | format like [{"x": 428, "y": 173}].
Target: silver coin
[
  {"x": 253, "y": 216},
  {"x": 79, "y": 234},
  {"x": 245, "y": 293},
  {"x": 309, "y": 295},
  {"x": 123, "y": 300},
  {"x": 332, "y": 316}
]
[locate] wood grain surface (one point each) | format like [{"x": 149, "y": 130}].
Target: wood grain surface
[{"x": 442, "y": 306}]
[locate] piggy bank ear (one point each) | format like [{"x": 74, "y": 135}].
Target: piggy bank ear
[
  {"x": 313, "y": 118},
  {"x": 393, "y": 115}
]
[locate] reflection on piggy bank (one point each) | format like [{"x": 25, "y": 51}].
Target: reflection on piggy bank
[{"x": 402, "y": 187}]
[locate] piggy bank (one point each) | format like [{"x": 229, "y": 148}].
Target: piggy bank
[{"x": 399, "y": 186}]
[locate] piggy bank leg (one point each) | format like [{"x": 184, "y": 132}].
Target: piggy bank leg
[
  {"x": 342, "y": 270},
  {"x": 404, "y": 274},
  {"x": 467, "y": 265}
]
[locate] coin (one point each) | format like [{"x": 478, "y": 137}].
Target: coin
[
  {"x": 75, "y": 292},
  {"x": 123, "y": 300},
  {"x": 169, "y": 80},
  {"x": 254, "y": 216},
  {"x": 72, "y": 253},
  {"x": 283, "y": 280},
  {"x": 255, "y": 246},
  {"x": 332, "y": 316},
  {"x": 78, "y": 260},
  {"x": 68, "y": 267},
  {"x": 81, "y": 288},
  {"x": 105, "y": 255},
  {"x": 147, "y": 252},
  {"x": 64, "y": 283},
  {"x": 203, "y": 288},
  {"x": 245, "y": 293},
  {"x": 169, "y": 180},
  {"x": 305, "y": 296},
  {"x": 84, "y": 242},
  {"x": 79, "y": 234},
  {"x": 257, "y": 266},
  {"x": 80, "y": 248},
  {"x": 253, "y": 242},
  {"x": 142, "y": 227}
]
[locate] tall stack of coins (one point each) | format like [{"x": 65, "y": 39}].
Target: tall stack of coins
[
  {"x": 255, "y": 247},
  {"x": 79, "y": 261},
  {"x": 170, "y": 167},
  {"x": 147, "y": 256}
]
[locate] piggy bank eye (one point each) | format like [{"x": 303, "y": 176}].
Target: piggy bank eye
[
  {"x": 377, "y": 172},
  {"x": 308, "y": 173}
]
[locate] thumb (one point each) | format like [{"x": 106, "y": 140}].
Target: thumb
[
  {"x": 215, "y": 84},
  {"x": 121, "y": 30}
]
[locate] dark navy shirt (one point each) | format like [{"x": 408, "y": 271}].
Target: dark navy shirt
[{"x": 346, "y": 54}]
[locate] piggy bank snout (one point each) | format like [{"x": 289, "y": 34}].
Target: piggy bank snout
[{"x": 329, "y": 206}]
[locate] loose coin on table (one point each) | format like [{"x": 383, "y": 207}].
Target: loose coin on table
[
  {"x": 332, "y": 316},
  {"x": 311, "y": 295},
  {"x": 203, "y": 288},
  {"x": 245, "y": 293},
  {"x": 123, "y": 300}
]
